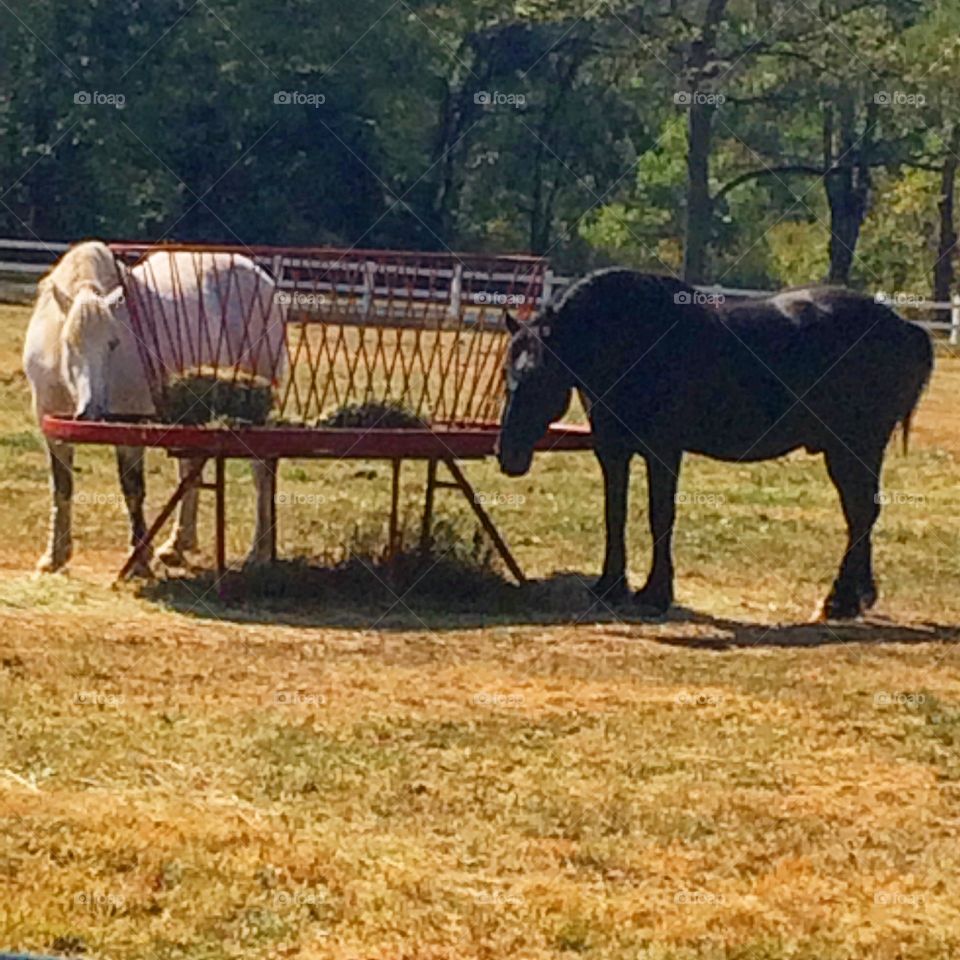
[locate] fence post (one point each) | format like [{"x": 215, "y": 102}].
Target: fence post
[
  {"x": 278, "y": 295},
  {"x": 369, "y": 287},
  {"x": 546, "y": 288},
  {"x": 456, "y": 291},
  {"x": 955, "y": 319}
]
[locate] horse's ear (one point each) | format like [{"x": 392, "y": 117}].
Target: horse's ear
[
  {"x": 123, "y": 271},
  {"x": 513, "y": 324},
  {"x": 64, "y": 301}
]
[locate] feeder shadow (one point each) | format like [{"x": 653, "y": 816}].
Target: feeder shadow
[{"x": 426, "y": 594}]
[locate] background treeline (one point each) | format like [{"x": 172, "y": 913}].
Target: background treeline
[{"x": 754, "y": 143}]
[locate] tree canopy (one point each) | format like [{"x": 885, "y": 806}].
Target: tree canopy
[{"x": 749, "y": 142}]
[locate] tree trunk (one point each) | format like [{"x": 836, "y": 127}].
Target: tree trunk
[
  {"x": 536, "y": 213},
  {"x": 446, "y": 158},
  {"x": 457, "y": 115},
  {"x": 845, "y": 223},
  {"x": 699, "y": 223},
  {"x": 549, "y": 141},
  {"x": 698, "y": 231},
  {"x": 846, "y": 158},
  {"x": 947, "y": 239}
]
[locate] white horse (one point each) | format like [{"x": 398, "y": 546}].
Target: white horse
[{"x": 83, "y": 358}]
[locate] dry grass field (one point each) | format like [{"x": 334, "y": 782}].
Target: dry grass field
[{"x": 191, "y": 772}]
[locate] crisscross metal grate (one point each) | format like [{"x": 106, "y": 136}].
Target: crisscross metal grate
[{"x": 421, "y": 330}]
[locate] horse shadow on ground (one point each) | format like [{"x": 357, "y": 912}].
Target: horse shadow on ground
[{"x": 436, "y": 597}]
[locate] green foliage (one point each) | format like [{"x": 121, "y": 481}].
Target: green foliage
[
  {"x": 644, "y": 230},
  {"x": 898, "y": 245},
  {"x": 552, "y": 127}
]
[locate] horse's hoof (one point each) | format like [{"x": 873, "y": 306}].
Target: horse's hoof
[
  {"x": 50, "y": 563},
  {"x": 141, "y": 570},
  {"x": 173, "y": 553},
  {"x": 649, "y": 604},
  {"x": 171, "y": 556},
  {"x": 610, "y": 590},
  {"x": 841, "y": 608},
  {"x": 868, "y": 598}
]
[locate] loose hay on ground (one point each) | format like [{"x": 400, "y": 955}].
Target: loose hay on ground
[{"x": 456, "y": 573}]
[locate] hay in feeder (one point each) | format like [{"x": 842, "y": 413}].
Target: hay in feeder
[
  {"x": 374, "y": 415},
  {"x": 204, "y": 395}
]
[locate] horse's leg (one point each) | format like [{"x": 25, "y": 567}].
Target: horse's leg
[
  {"x": 184, "y": 536},
  {"x": 130, "y": 468},
  {"x": 60, "y": 544},
  {"x": 264, "y": 478},
  {"x": 663, "y": 472},
  {"x": 616, "y": 484},
  {"x": 856, "y": 476}
]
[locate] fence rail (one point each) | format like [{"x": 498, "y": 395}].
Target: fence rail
[
  {"x": 457, "y": 284},
  {"x": 27, "y": 253}
]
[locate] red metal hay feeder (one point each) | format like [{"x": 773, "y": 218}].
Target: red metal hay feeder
[{"x": 424, "y": 331}]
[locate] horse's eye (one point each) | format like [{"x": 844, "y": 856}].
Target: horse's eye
[{"x": 113, "y": 343}]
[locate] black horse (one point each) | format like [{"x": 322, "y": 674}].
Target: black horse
[{"x": 663, "y": 369}]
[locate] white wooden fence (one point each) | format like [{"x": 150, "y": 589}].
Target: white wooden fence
[
  {"x": 27, "y": 260},
  {"x": 22, "y": 263}
]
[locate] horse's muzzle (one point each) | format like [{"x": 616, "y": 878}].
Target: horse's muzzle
[
  {"x": 89, "y": 412},
  {"x": 514, "y": 463}
]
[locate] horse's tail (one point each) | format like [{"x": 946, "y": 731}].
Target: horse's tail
[
  {"x": 920, "y": 361},
  {"x": 905, "y": 426}
]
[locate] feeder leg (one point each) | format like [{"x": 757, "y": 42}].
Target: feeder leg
[
  {"x": 272, "y": 466},
  {"x": 426, "y": 530},
  {"x": 141, "y": 549},
  {"x": 485, "y": 521},
  {"x": 220, "y": 490},
  {"x": 395, "y": 511}
]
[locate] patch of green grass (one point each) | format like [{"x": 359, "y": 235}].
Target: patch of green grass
[{"x": 24, "y": 440}]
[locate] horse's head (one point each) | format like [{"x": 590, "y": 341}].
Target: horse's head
[
  {"x": 91, "y": 333},
  {"x": 538, "y": 385}
]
